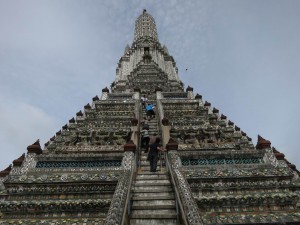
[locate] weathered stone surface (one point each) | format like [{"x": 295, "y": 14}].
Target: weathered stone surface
[{"x": 95, "y": 171}]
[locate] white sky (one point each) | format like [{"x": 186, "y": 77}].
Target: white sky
[{"x": 242, "y": 56}]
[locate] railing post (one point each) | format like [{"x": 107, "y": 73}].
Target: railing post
[
  {"x": 189, "y": 208},
  {"x": 105, "y": 92},
  {"x": 120, "y": 206}
]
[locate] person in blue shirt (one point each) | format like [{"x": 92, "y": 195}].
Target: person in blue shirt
[{"x": 150, "y": 111}]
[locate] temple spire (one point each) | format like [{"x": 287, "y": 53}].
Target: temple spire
[{"x": 145, "y": 27}]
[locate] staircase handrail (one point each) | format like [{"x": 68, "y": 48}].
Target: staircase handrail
[
  {"x": 122, "y": 193},
  {"x": 127, "y": 208},
  {"x": 140, "y": 115},
  {"x": 177, "y": 196},
  {"x": 178, "y": 202},
  {"x": 159, "y": 116},
  {"x": 128, "y": 202},
  {"x": 137, "y": 162},
  {"x": 188, "y": 205}
]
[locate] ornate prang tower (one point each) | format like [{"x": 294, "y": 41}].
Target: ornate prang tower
[
  {"x": 94, "y": 170},
  {"x": 146, "y": 65}
]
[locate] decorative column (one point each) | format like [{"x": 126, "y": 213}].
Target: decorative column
[
  {"x": 105, "y": 92},
  {"x": 265, "y": 145},
  {"x": 5, "y": 172},
  {"x": 31, "y": 157},
  {"x": 165, "y": 131},
  {"x": 129, "y": 149},
  {"x": 158, "y": 91},
  {"x": 134, "y": 130},
  {"x": 17, "y": 165},
  {"x": 190, "y": 93},
  {"x": 159, "y": 108},
  {"x": 199, "y": 98},
  {"x": 137, "y": 107},
  {"x": 137, "y": 94}
]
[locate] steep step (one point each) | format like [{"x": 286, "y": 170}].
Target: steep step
[
  {"x": 150, "y": 190},
  {"x": 152, "y": 182},
  {"x": 153, "y": 221},
  {"x": 151, "y": 176},
  {"x": 147, "y": 168},
  {"x": 145, "y": 195},
  {"x": 154, "y": 204},
  {"x": 147, "y": 164},
  {"x": 151, "y": 214}
]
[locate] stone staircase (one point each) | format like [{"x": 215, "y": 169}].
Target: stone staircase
[{"x": 153, "y": 201}]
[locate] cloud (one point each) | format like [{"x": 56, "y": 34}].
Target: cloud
[{"x": 21, "y": 125}]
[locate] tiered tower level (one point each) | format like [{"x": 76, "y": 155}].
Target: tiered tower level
[{"x": 92, "y": 171}]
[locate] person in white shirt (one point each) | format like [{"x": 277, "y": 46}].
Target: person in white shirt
[{"x": 144, "y": 101}]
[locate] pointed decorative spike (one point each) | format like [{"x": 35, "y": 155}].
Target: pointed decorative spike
[
  {"x": 278, "y": 155},
  {"x": 207, "y": 103},
  {"x": 96, "y": 98},
  {"x": 198, "y": 96},
  {"x": 105, "y": 90},
  {"x": 72, "y": 120},
  {"x": 79, "y": 113},
  {"x": 145, "y": 28},
  {"x": 249, "y": 138},
  {"x": 223, "y": 117},
  {"x": 87, "y": 106},
  {"x": 47, "y": 143},
  {"x": 65, "y": 127},
  {"x": 5, "y": 172},
  {"x": 52, "y": 139},
  {"x": 35, "y": 148},
  {"x": 237, "y": 128},
  {"x": 262, "y": 143},
  {"x": 243, "y": 133},
  {"x": 18, "y": 161},
  {"x": 215, "y": 110},
  {"x": 189, "y": 89},
  {"x": 230, "y": 123},
  {"x": 58, "y": 133}
]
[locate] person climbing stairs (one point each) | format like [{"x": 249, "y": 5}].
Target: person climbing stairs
[{"x": 153, "y": 198}]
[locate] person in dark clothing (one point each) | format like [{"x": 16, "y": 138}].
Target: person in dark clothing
[
  {"x": 145, "y": 138},
  {"x": 153, "y": 154}
]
